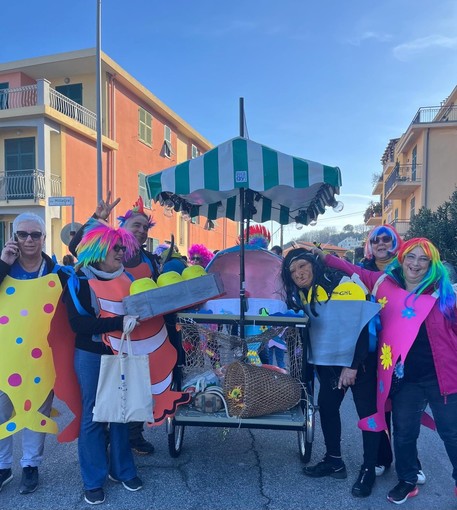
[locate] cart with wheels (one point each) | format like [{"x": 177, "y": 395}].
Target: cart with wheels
[{"x": 200, "y": 358}]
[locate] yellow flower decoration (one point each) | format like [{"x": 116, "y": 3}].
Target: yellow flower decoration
[
  {"x": 383, "y": 301},
  {"x": 235, "y": 393},
  {"x": 386, "y": 356}
]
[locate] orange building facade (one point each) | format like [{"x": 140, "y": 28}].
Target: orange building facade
[{"x": 48, "y": 147}]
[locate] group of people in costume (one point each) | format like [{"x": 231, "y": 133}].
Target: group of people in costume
[
  {"x": 404, "y": 359},
  {"x": 405, "y": 356}
]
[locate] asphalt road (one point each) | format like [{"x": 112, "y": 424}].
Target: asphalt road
[{"x": 243, "y": 469}]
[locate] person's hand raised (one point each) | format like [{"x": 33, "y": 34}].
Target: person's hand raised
[
  {"x": 10, "y": 252},
  {"x": 104, "y": 207}
]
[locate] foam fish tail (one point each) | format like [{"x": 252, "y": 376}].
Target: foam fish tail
[{"x": 35, "y": 421}]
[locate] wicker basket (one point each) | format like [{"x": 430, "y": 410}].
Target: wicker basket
[{"x": 256, "y": 391}]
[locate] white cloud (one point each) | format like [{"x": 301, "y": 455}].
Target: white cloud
[
  {"x": 369, "y": 35},
  {"x": 411, "y": 49}
]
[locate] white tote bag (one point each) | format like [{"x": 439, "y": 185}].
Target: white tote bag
[{"x": 124, "y": 387}]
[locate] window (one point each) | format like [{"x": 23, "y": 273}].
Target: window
[
  {"x": 151, "y": 244},
  {"x": 4, "y": 97},
  {"x": 396, "y": 215},
  {"x": 412, "y": 206},
  {"x": 413, "y": 163},
  {"x": 73, "y": 92},
  {"x": 195, "y": 152},
  {"x": 142, "y": 190},
  {"x": 144, "y": 126},
  {"x": 19, "y": 167},
  {"x": 167, "y": 150}
]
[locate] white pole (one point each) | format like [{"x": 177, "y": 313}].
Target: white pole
[{"x": 99, "y": 109}]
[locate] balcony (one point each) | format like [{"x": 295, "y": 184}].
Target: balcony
[
  {"x": 435, "y": 114},
  {"x": 43, "y": 94},
  {"x": 27, "y": 185},
  {"x": 403, "y": 181},
  {"x": 401, "y": 226},
  {"x": 377, "y": 188},
  {"x": 374, "y": 221}
]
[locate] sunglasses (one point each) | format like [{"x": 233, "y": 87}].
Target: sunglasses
[
  {"x": 119, "y": 248},
  {"x": 381, "y": 239},
  {"x": 197, "y": 259},
  {"x": 22, "y": 235}
]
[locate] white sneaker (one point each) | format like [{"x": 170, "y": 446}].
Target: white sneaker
[
  {"x": 379, "y": 470},
  {"x": 421, "y": 478}
]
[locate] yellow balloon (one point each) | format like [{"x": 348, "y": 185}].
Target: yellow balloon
[
  {"x": 169, "y": 278},
  {"x": 193, "y": 272},
  {"x": 142, "y": 285},
  {"x": 348, "y": 290}
]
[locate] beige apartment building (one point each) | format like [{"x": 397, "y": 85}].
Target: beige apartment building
[{"x": 419, "y": 169}]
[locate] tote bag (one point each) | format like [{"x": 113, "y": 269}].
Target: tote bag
[{"x": 124, "y": 387}]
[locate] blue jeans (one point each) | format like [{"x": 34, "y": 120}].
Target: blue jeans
[
  {"x": 93, "y": 457},
  {"x": 408, "y": 405}
]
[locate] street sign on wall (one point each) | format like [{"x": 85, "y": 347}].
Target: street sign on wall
[{"x": 61, "y": 201}]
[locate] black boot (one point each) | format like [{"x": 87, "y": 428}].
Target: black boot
[{"x": 364, "y": 484}]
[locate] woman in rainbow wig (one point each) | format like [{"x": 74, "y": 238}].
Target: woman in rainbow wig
[
  {"x": 90, "y": 301},
  {"x": 417, "y": 353}
]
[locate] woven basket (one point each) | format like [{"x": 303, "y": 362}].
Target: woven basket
[{"x": 256, "y": 391}]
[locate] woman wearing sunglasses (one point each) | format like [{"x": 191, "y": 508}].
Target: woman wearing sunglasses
[
  {"x": 417, "y": 353},
  {"x": 102, "y": 280},
  {"x": 26, "y": 270}
]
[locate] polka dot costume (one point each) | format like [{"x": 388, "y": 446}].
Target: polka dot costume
[{"x": 27, "y": 372}]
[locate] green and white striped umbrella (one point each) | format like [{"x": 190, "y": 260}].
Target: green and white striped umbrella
[{"x": 279, "y": 187}]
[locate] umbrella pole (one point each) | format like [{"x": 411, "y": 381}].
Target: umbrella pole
[{"x": 242, "y": 276}]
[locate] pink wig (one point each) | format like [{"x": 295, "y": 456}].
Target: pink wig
[
  {"x": 201, "y": 251},
  {"x": 99, "y": 238},
  {"x": 379, "y": 231},
  {"x": 137, "y": 209}
]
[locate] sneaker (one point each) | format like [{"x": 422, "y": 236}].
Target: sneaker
[
  {"x": 325, "y": 468},
  {"x": 401, "y": 492},
  {"x": 141, "y": 447},
  {"x": 421, "y": 478},
  {"x": 6, "y": 475},
  {"x": 94, "y": 496},
  {"x": 29, "y": 481},
  {"x": 364, "y": 484},
  {"x": 135, "y": 484}
]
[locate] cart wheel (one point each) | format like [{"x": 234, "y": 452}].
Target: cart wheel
[
  {"x": 175, "y": 438},
  {"x": 305, "y": 447}
]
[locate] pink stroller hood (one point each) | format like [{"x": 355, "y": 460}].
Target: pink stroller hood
[{"x": 262, "y": 272}]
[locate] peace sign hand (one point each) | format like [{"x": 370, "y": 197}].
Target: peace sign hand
[{"x": 104, "y": 207}]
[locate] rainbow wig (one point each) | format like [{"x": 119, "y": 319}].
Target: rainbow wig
[
  {"x": 259, "y": 236},
  {"x": 202, "y": 251},
  {"x": 379, "y": 231},
  {"x": 437, "y": 275},
  {"x": 99, "y": 238},
  {"x": 138, "y": 208}
]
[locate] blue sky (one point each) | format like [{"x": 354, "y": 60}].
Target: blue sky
[{"x": 326, "y": 80}]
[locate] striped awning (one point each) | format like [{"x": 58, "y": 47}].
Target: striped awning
[{"x": 279, "y": 187}]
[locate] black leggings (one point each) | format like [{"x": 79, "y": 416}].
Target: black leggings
[{"x": 329, "y": 401}]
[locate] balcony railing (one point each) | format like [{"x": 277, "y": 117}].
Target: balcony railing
[
  {"x": 403, "y": 176},
  {"x": 27, "y": 185},
  {"x": 430, "y": 114},
  {"x": 401, "y": 226},
  {"x": 29, "y": 95}
]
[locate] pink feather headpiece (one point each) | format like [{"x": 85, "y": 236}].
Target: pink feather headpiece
[
  {"x": 259, "y": 236},
  {"x": 201, "y": 251},
  {"x": 137, "y": 208},
  {"x": 99, "y": 238}
]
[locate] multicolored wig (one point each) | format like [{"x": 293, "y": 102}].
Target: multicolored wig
[
  {"x": 258, "y": 235},
  {"x": 137, "y": 208},
  {"x": 201, "y": 251},
  {"x": 160, "y": 249},
  {"x": 99, "y": 238},
  {"x": 437, "y": 276},
  {"x": 379, "y": 231}
]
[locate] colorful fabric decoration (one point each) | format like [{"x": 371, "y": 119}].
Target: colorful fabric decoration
[
  {"x": 99, "y": 238},
  {"x": 137, "y": 208}
]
